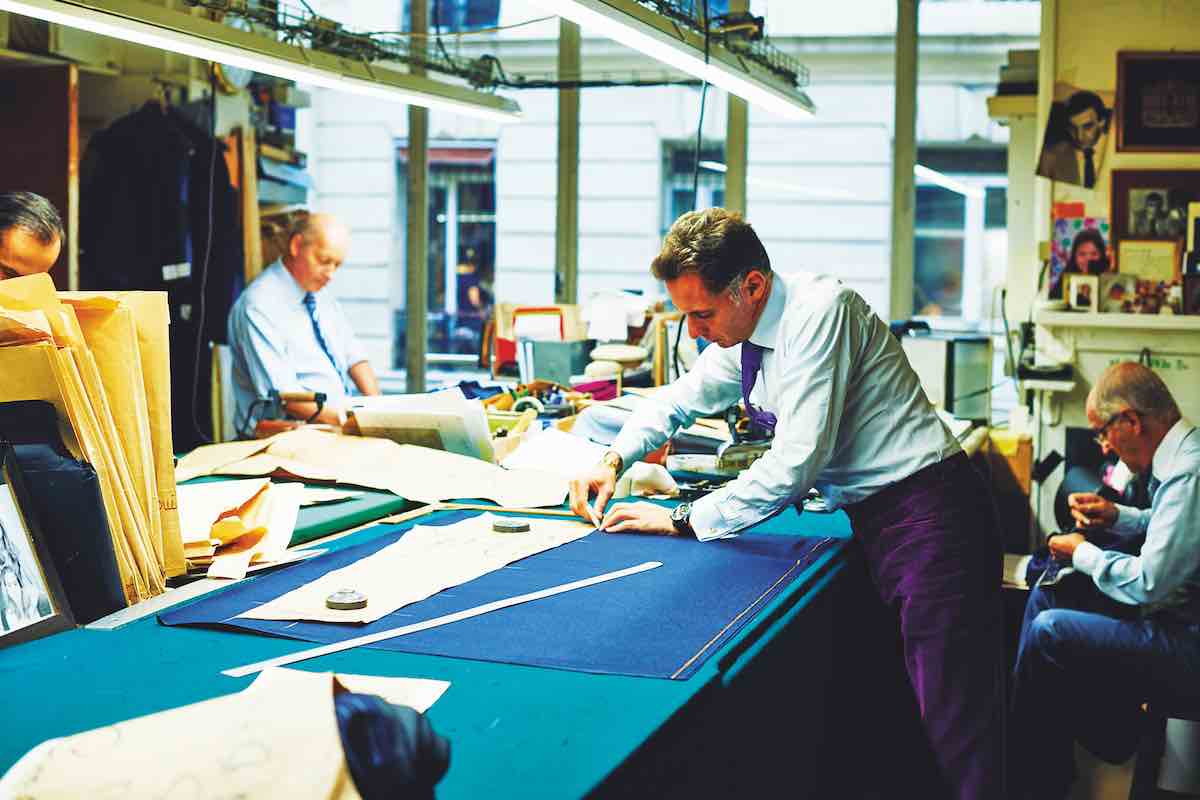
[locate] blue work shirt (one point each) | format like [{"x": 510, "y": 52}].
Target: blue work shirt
[
  {"x": 1166, "y": 573},
  {"x": 274, "y": 346}
]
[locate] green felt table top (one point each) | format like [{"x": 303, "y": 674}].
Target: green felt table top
[{"x": 515, "y": 730}]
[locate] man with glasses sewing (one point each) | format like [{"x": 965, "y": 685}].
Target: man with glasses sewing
[
  {"x": 31, "y": 234},
  {"x": 1126, "y": 629}
]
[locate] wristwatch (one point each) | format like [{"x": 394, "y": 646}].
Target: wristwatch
[
  {"x": 613, "y": 459},
  {"x": 680, "y": 519}
]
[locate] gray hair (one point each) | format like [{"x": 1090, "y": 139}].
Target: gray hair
[
  {"x": 1129, "y": 385},
  {"x": 32, "y": 213}
]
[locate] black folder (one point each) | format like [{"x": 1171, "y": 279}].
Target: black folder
[{"x": 67, "y": 506}]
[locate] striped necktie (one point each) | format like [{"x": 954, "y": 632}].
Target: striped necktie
[{"x": 752, "y": 356}]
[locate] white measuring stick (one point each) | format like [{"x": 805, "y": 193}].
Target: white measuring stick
[{"x": 496, "y": 605}]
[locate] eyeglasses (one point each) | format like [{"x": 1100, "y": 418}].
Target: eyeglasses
[{"x": 1101, "y": 437}]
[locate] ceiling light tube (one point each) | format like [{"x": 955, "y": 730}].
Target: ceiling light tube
[
  {"x": 823, "y": 192},
  {"x": 946, "y": 182},
  {"x": 166, "y": 29},
  {"x": 638, "y": 27}
]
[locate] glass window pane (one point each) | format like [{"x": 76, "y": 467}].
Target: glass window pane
[
  {"x": 937, "y": 276},
  {"x": 995, "y": 210},
  {"x": 940, "y": 208}
]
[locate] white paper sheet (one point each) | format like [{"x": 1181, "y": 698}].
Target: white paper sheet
[
  {"x": 556, "y": 452},
  {"x": 201, "y": 504},
  {"x": 276, "y": 739},
  {"x": 421, "y": 563}
]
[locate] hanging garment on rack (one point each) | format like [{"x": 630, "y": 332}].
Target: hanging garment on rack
[{"x": 144, "y": 224}]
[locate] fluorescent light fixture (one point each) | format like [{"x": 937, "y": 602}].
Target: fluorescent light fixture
[
  {"x": 154, "y": 26},
  {"x": 946, "y": 182},
  {"x": 638, "y": 27},
  {"x": 823, "y": 192}
]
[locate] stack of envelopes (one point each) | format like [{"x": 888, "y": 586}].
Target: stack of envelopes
[{"x": 102, "y": 360}]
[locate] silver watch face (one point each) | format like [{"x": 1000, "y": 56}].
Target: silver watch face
[{"x": 681, "y": 512}]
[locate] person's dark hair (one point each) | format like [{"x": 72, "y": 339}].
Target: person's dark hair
[
  {"x": 31, "y": 213},
  {"x": 716, "y": 244},
  {"x": 1083, "y": 100},
  {"x": 1089, "y": 235},
  {"x": 1156, "y": 197}
]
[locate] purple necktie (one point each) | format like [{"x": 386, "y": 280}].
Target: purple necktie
[{"x": 752, "y": 355}]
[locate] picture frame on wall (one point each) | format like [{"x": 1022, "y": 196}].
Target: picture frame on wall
[
  {"x": 1152, "y": 204},
  {"x": 1158, "y": 102},
  {"x": 1150, "y": 259},
  {"x": 1083, "y": 292},
  {"x": 32, "y": 601},
  {"x": 1191, "y": 294}
]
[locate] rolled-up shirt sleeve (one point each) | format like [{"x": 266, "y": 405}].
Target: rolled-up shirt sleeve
[
  {"x": 710, "y": 387},
  {"x": 816, "y": 363},
  {"x": 1167, "y": 559}
]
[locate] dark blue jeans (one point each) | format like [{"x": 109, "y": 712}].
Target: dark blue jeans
[{"x": 1085, "y": 665}]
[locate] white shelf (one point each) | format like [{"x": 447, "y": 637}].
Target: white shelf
[
  {"x": 1146, "y": 322},
  {"x": 1048, "y": 386}
]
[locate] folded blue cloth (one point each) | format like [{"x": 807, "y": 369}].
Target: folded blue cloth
[{"x": 392, "y": 751}]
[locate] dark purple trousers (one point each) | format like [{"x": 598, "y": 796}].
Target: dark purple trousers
[{"x": 933, "y": 551}]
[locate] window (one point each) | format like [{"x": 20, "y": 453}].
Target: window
[
  {"x": 458, "y": 15},
  {"x": 679, "y": 160},
  {"x": 461, "y": 249},
  {"x": 961, "y": 243}
]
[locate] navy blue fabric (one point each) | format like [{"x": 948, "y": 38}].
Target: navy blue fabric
[
  {"x": 391, "y": 750},
  {"x": 662, "y": 623}
]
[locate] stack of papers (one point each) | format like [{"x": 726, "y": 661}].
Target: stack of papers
[
  {"x": 229, "y": 525},
  {"x": 101, "y": 359},
  {"x": 415, "y": 473},
  {"x": 441, "y": 420}
]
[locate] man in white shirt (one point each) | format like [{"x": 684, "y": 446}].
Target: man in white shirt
[
  {"x": 287, "y": 333},
  {"x": 810, "y": 359},
  {"x": 1126, "y": 630}
]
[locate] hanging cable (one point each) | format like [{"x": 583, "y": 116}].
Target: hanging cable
[
  {"x": 695, "y": 177},
  {"x": 208, "y": 239}
]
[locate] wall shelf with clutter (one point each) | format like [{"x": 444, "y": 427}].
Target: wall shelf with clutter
[{"x": 1146, "y": 322}]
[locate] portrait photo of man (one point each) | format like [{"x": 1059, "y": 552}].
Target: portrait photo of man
[{"x": 1076, "y": 136}]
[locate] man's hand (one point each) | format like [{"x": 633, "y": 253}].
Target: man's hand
[
  {"x": 1092, "y": 510},
  {"x": 1062, "y": 547},
  {"x": 638, "y": 518},
  {"x": 600, "y": 479}
]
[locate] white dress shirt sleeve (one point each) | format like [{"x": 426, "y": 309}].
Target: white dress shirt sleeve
[
  {"x": 1167, "y": 559},
  {"x": 1130, "y": 520},
  {"x": 710, "y": 387},
  {"x": 267, "y": 363},
  {"x": 816, "y": 360}
]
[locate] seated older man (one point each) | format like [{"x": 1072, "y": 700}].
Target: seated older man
[
  {"x": 31, "y": 234},
  {"x": 1125, "y": 629},
  {"x": 288, "y": 333}
]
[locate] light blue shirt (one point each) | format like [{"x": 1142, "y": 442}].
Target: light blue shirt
[
  {"x": 1166, "y": 573},
  {"x": 274, "y": 346},
  {"x": 852, "y": 416}
]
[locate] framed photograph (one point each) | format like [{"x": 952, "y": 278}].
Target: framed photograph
[
  {"x": 1158, "y": 102},
  {"x": 1083, "y": 292},
  {"x": 1150, "y": 260},
  {"x": 32, "y": 602},
  {"x": 1191, "y": 294},
  {"x": 1152, "y": 204},
  {"x": 1080, "y": 244},
  {"x": 1076, "y": 137},
  {"x": 1117, "y": 293}
]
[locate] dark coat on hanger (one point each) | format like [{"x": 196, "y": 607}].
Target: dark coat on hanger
[{"x": 144, "y": 225}]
